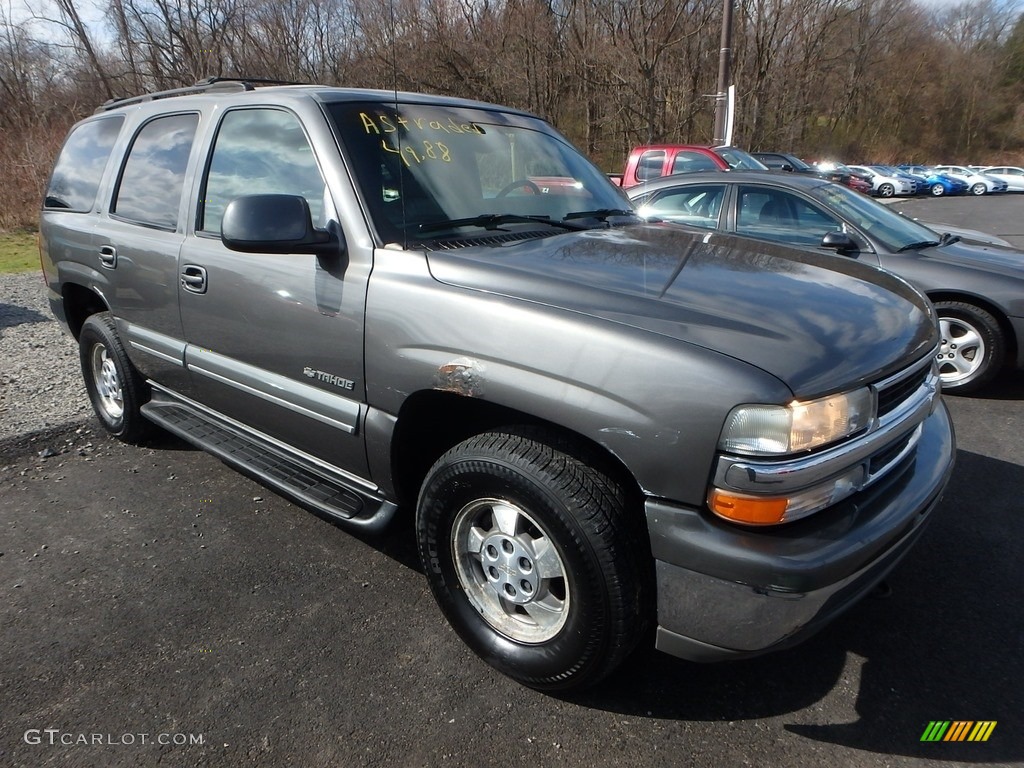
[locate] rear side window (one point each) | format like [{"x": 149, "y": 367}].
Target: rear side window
[
  {"x": 78, "y": 171},
  {"x": 154, "y": 174},
  {"x": 698, "y": 206}
]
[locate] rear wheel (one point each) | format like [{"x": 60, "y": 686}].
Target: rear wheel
[
  {"x": 978, "y": 189},
  {"x": 973, "y": 347},
  {"x": 938, "y": 190},
  {"x": 117, "y": 390},
  {"x": 886, "y": 190},
  {"x": 535, "y": 556}
]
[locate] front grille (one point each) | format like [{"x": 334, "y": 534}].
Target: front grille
[
  {"x": 883, "y": 458},
  {"x": 894, "y": 392}
]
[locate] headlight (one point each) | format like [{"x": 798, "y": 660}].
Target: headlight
[{"x": 775, "y": 430}]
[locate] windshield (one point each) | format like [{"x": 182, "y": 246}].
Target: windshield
[
  {"x": 422, "y": 166},
  {"x": 739, "y": 160},
  {"x": 888, "y": 227},
  {"x": 799, "y": 164}
]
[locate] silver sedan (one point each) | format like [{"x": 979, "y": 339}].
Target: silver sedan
[{"x": 1011, "y": 174}]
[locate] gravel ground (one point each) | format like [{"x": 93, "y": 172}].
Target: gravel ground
[{"x": 40, "y": 381}]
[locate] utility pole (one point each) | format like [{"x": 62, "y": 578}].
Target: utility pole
[{"x": 724, "y": 74}]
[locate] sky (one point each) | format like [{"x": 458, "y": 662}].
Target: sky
[{"x": 26, "y": 11}]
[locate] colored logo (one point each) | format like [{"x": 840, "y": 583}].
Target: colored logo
[{"x": 958, "y": 730}]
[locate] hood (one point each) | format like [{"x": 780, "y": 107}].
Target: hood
[
  {"x": 1006, "y": 261},
  {"x": 817, "y": 322}
]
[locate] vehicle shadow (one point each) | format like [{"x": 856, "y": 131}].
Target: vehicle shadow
[
  {"x": 12, "y": 315},
  {"x": 1008, "y": 385},
  {"x": 945, "y": 646}
]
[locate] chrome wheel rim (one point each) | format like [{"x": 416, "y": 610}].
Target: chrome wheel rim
[
  {"x": 109, "y": 395},
  {"x": 962, "y": 351},
  {"x": 511, "y": 570},
  {"x": 938, "y": 190}
]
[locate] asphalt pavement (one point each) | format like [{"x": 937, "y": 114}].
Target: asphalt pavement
[
  {"x": 1001, "y": 215},
  {"x": 158, "y": 608}
]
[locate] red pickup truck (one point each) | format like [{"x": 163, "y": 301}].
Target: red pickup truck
[{"x": 657, "y": 160}]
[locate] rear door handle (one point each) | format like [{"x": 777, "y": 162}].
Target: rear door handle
[
  {"x": 193, "y": 278},
  {"x": 108, "y": 256}
]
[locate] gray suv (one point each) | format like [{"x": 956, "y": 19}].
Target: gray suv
[{"x": 376, "y": 301}]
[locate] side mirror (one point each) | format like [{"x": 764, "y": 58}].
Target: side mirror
[
  {"x": 787, "y": 167},
  {"x": 274, "y": 224},
  {"x": 838, "y": 241}
]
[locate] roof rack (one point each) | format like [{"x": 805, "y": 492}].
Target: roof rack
[{"x": 206, "y": 85}]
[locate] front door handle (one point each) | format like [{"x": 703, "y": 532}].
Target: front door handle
[
  {"x": 108, "y": 256},
  {"x": 193, "y": 278}
]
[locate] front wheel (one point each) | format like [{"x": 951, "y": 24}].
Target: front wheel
[
  {"x": 972, "y": 347},
  {"x": 886, "y": 190},
  {"x": 117, "y": 390},
  {"x": 535, "y": 556},
  {"x": 938, "y": 190},
  {"x": 979, "y": 189}
]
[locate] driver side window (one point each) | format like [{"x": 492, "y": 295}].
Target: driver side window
[
  {"x": 261, "y": 151},
  {"x": 779, "y": 216}
]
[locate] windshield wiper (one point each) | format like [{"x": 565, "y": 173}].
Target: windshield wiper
[
  {"x": 494, "y": 221},
  {"x": 948, "y": 239},
  {"x": 601, "y": 214},
  {"x": 922, "y": 244}
]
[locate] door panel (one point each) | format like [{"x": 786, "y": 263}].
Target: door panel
[
  {"x": 138, "y": 246},
  {"x": 275, "y": 340}
]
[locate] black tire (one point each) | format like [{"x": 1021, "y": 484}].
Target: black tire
[
  {"x": 979, "y": 189},
  {"x": 886, "y": 190},
  {"x": 938, "y": 190},
  {"x": 526, "y": 494},
  {"x": 117, "y": 390},
  {"x": 973, "y": 347}
]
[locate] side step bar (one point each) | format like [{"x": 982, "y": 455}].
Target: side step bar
[{"x": 310, "y": 485}]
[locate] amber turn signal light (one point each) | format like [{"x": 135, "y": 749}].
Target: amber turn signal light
[{"x": 747, "y": 509}]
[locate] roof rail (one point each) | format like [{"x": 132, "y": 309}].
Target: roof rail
[{"x": 207, "y": 85}]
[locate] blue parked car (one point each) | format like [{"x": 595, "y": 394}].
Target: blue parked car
[{"x": 938, "y": 184}]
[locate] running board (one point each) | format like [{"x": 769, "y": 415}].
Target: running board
[{"x": 310, "y": 485}]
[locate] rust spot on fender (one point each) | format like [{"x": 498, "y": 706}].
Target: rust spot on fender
[{"x": 463, "y": 376}]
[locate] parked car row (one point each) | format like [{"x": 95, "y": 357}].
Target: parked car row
[
  {"x": 650, "y": 162},
  {"x": 907, "y": 180},
  {"x": 936, "y": 180}
]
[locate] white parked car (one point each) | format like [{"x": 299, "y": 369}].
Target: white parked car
[
  {"x": 885, "y": 185},
  {"x": 977, "y": 183},
  {"x": 1011, "y": 174}
]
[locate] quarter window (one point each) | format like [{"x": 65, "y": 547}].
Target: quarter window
[
  {"x": 261, "y": 151},
  {"x": 78, "y": 171},
  {"x": 153, "y": 178}
]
